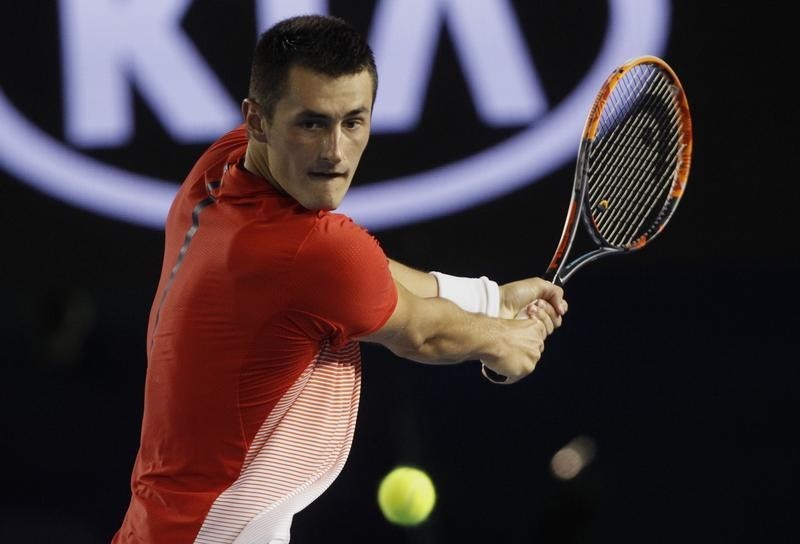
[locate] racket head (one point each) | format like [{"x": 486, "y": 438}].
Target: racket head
[
  {"x": 637, "y": 154},
  {"x": 633, "y": 163}
]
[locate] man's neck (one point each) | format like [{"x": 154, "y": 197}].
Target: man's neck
[
  {"x": 256, "y": 163},
  {"x": 251, "y": 162}
]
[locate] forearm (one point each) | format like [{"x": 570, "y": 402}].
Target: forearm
[
  {"x": 422, "y": 284},
  {"x": 436, "y": 331},
  {"x": 427, "y": 327},
  {"x": 448, "y": 335},
  {"x": 478, "y": 295}
]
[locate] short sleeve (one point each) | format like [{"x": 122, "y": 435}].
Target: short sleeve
[{"x": 343, "y": 287}]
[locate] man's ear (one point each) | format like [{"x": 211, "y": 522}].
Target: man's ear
[{"x": 254, "y": 120}]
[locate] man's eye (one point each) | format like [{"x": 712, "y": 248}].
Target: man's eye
[
  {"x": 310, "y": 125},
  {"x": 353, "y": 123}
]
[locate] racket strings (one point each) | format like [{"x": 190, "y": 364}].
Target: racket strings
[
  {"x": 631, "y": 215},
  {"x": 627, "y": 140},
  {"x": 627, "y": 170},
  {"x": 661, "y": 183},
  {"x": 628, "y": 195},
  {"x": 621, "y": 139},
  {"x": 637, "y": 150},
  {"x": 608, "y": 161},
  {"x": 635, "y": 197}
]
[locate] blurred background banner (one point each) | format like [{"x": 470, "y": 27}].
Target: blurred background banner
[
  {"x": 111, "y": 51},
  {"x": 663, "y": 410}
]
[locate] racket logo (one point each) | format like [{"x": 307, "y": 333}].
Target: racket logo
[
  {"x": 647, "y": 137},
  {"x": 166, "y": 67}
]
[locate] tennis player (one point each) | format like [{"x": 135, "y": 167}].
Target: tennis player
[{"x": 253, "y": 373}]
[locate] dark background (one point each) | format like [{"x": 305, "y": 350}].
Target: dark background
[{"x": 678, "y": 362}]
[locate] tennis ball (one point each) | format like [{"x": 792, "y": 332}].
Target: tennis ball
[{"x": 406, "y": 496}]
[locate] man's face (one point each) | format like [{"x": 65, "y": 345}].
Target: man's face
[{"x": 318, "y": 132}]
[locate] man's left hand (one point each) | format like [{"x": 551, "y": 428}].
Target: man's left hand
[{"x": 533, "y": 298}]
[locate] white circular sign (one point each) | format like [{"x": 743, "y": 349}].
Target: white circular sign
[{"x": 636, "y": 27}]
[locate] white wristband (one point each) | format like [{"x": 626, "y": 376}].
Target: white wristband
[{"x": 477, "y": 295}]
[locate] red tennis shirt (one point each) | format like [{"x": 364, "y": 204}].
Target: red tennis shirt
[{"x": 253, "y": 377}]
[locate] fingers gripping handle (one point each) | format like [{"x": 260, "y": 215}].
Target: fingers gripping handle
[{"x": 496, "y": 377}]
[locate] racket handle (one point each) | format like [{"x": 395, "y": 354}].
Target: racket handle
[
  {"x": 493, "y": 376},
  {"x": 552, "y": 276}
]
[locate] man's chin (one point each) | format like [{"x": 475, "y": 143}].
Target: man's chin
[{"x": 323, "y": 204}]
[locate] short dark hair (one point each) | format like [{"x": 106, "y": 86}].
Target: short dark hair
[{"x": 324, "y": 44}]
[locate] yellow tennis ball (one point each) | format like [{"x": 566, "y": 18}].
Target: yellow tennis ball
[{"x": 406, "y": 496}]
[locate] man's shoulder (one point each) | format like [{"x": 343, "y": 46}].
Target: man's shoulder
[
  {"x": 211, "y": 163},
  {"x": 218, "y": 153},
  {"x": 305, "y": 242},
  {"x": 340, "y": 243},
  {"x": 336, "y": 229},
  {"x": 289, "y": 235}
]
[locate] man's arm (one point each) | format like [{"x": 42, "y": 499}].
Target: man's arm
[
  {"x": 434, "y": 330},
  {"x": 514, "y": 297},
  {"x": 420, "y": 283}
]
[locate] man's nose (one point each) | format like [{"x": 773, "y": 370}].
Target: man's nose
[{"x": 332, "y": 145}]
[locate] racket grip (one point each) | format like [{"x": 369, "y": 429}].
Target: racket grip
[
  {"x": 493, "y": 376},
  {"x": 552, "y": 276}
]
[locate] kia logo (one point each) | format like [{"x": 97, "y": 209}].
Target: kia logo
[{"x": 108, "y": 47}]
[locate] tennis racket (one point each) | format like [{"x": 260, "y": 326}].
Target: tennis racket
[{"x": 632, "y": 168}]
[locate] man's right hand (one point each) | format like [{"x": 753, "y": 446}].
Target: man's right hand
[{"x": 524, "y": 339}]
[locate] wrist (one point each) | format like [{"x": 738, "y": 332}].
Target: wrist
[
  {"x": 490, "y": 349},
  {"x": 476, "y": 295}
]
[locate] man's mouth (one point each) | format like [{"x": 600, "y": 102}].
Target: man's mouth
[{"x": 327, "y": 176}]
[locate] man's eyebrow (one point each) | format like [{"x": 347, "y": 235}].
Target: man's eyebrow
[
  {"x": 357, "y": 111},
  {"x": 311, "y": 114},
  {"x": 315, "y": 115}
]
